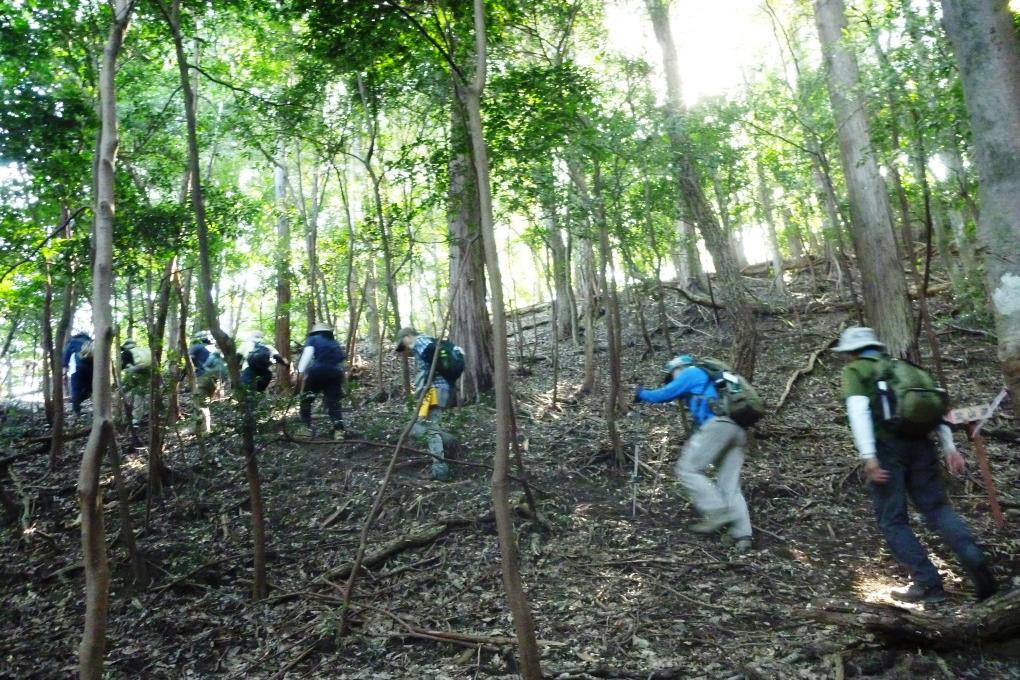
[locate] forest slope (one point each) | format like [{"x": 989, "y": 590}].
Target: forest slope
[{"x": 613, "y": 595}]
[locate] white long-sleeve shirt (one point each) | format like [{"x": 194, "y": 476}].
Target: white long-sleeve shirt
[
  {"x": 307, "y": 356},
  {"x": 858, "y": 408}
]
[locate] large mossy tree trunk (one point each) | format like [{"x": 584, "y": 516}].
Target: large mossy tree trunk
[
  {"x": 92, "y": 650},
  {"x": 884, "y": 287},
  {"x": 470, "y": 326},
  {"x": 984, "y": 40}
]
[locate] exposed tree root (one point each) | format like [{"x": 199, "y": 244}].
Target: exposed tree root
[{"x": 995, "y": 619}]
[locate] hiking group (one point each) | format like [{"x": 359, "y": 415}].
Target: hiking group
[{"x": 894, "y": 408}]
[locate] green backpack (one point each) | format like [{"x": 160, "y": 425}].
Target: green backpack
[
  {"x": 908, "y": 402},
  {"x": 738, "y": 400}
]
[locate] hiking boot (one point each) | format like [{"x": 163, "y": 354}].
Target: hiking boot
[
  {"x": 303, "y": 431},
  {"x": 919, "y": 593},
  {"x": 711, "y": 523},
  {"x": 339, "y": 434},
  {"x": 984, "y": 582},
  {"x": 740, "y": 545},
  {"x": 440, "y": 471}
]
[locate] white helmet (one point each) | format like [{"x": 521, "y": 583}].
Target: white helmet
[{"x": 682, "y": 361}]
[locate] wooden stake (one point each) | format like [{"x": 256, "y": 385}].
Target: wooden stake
[{"x": 986, "y": 474}]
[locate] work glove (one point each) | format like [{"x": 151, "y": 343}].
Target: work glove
[{"x": 637, "y": 393}]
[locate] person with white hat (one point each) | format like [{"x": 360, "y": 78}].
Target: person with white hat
[
  {"x": 321, "y": 368},
  {"x": 718, "y": 441},
  {"x": 898, "y": 465},
  {"x": 257, "y": 359}
]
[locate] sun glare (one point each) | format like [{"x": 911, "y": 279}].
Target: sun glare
[{"x": 720, "y": 44}]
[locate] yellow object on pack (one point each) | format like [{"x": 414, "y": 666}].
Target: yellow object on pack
[{"x": 431, "y": 399}]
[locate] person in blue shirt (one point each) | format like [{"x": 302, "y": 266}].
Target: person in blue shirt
[
  {"x": 199, "y": 351},
  {"x": 718, "y": 441},
  {"x": 438, "y": 396},
  {"x": 321, "y": 368}
]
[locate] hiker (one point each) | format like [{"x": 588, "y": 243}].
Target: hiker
[
  {"x": 321, "y": 369},
  {"x": 135, "y": 365},
  {"x": 210, "y": 369},
  {"x": 717, "y": 440},
  {"x": 78, "y": 364},
  {"x": 894, "y": 408},
  {"x": 199, "y": 351},
  {"x": 449, "y": 366},
  {"x": 258, "y": 358}
]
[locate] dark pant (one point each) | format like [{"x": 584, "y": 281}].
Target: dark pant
[
  {"x": 914, "y": 470},
  {"x": 327, "y": 381},
  {"x": 256, "y": 380},
  {"x": 81, "y": 387}
]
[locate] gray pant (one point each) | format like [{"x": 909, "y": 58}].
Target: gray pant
[
  {"x": 720, "y": 441},
  {"x": 430, "y": 427}
]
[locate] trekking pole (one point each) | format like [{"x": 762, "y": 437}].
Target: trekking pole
[{"x": 634, "y": 480}]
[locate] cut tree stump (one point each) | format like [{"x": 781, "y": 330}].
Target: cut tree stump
[{"x": 994, "y": 620}]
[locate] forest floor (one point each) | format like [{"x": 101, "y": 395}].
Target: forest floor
[{"x": 614, "y": 595}]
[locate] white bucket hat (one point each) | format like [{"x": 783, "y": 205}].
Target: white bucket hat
[
  {"x": 320, "y": 327},
  {"x": 857, "y": 338}
]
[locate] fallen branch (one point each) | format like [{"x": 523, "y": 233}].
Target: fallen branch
[
  {"x": 70, "y": 436},
  {"x": 802, "y": 371},
  {"x": 974, "y": 331},
  {"x": 181, "y": 579},
  {"x": 414, "y": 540},
  {"x": 492, "y": 642},
  {"x": 706, "y": 301},
  {"x": 610, "y": 672},
  {"x": 994, "y": 619}
]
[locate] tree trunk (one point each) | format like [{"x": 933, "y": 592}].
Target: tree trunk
[
  {"x": 223, "y": 340},
  {"x": 984, "y": 40},
  {"x": 470, "y": 326},
  {"x": 734, "y": 296},
  {"x": 612, "y": 330},
  {"x": 156, "y": 423},
  {"x": 769, "y": 217},
  {"x": 92, "y": 649},
  {"x": 884, "y": 286},
  {"x": 44, "y": 363},
  {"x": 565, "y": 310},
  {"x": 791, "y": 229},
  {"x": 524, "y": 624},
  {"x": 174, "y": 354},
  {"x": 282, "y": 266}
]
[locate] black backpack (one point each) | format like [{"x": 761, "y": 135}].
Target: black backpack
[
  {"x": 260, "y": 358},
  {"x": 450, "y": 363}
]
